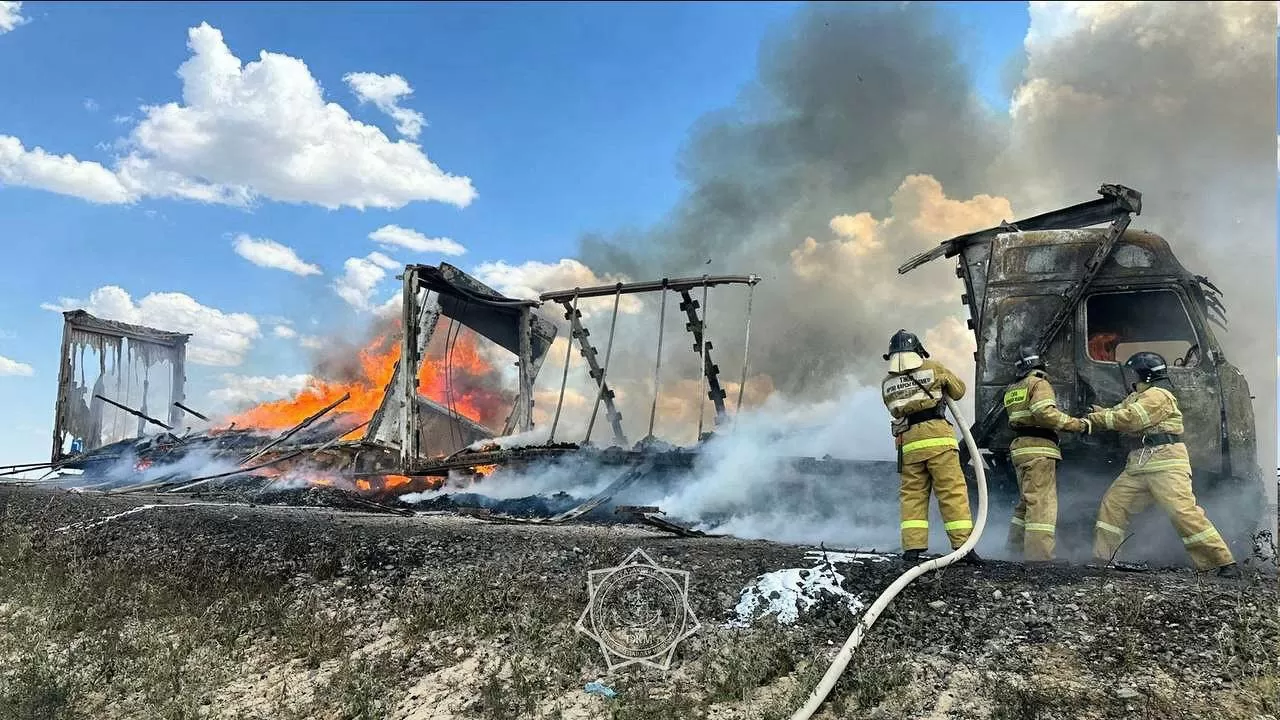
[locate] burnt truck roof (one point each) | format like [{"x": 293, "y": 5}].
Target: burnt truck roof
[{"x": 1052, "y": 255}]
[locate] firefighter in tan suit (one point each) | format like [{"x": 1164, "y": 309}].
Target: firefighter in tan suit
[
  {"x": 928, "y": 454},
  {"x": 1032, "y": 408},
  {"x": 1158, "y": 471}
]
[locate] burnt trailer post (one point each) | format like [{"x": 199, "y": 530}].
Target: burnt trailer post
[
  {"x": 97, "y": 397},
  {"x": 429, "y": 292},
  {"x": 1087, "y": 299}
]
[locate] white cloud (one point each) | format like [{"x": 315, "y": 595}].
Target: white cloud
[
  {"x": 389, "y": 235},
  {"x": 244, "y": 132},
  {"x": 245, "y": 389},
  {"x": 122, "y": 119},
  {"x": 311, "y": 342},
  {"x": 383, "y": 261},
  {"x": 218, "y": 338},
  {"x": 13, "y": 367},
  {"x": 284, "y": 331},
  {"x": 361, "y": 277},
  {"x": 385, "y": 91},
  {"x": 11, "y": 16},
  {"x": 530, "y": 279},
  {"x": 60, "y": 174},
  {"x": 271, "y": 254},
  {"x": 91, "y": 105}
]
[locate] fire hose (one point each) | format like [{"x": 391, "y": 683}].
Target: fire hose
[{"x": 868, "y": 619}]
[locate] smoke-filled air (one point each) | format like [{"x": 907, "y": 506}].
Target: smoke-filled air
[{"x": 861, "y": 143}]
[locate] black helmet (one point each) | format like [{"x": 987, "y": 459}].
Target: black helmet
[
  {"x": 1029, "y": 360},
  {"x": 903, "y": 341},
  {"x": 1148, "y": 366}
]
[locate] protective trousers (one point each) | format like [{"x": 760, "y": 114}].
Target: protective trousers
[
  {"x": 1031, "y": 531},
  {"x": 940, "y": 473},
  {"x": 1131, "y": 493}
]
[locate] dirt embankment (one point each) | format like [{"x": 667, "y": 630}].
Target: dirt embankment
[{"x": 203, "y": 611}]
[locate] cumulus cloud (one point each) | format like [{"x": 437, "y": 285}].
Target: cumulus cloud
[
  {"x": 271, "y": 254},
  {"x": 311, "y": 342},
  {"x": 62, "y": 174},
  {"x": 11, "y": 16},
  {"x": 394, "y": 235},
  {"x": 385, "y": 91},
  {"x": 530, "y": 279},
  {"x": 13, "y": 367},
  {"x": 361, "y": 277},
  {"x": 246, "y": 389},
  {"x": 284, "y": 331},
  {"x": 217, "y": 338},
  {"x": 243, "y": 132}
]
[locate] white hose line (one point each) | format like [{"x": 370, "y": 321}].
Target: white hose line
[{"x": 828, "y": 681}]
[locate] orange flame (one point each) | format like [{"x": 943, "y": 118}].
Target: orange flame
[{"x": 480, "y": 401}]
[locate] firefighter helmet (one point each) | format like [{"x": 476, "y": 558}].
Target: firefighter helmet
[
  {"x": 1029, "y": 360},
  {"x": 1148, "y": 366},
  {"x": 905, "y": 342}
]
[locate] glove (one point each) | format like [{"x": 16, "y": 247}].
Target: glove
[
  {"x": 898, "y": 426},
  {"x": 1088, "y": 426},
  {"x": 1096, "y": 408}
]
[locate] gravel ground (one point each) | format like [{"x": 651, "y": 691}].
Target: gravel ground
[{"x": 238, "y": 611}]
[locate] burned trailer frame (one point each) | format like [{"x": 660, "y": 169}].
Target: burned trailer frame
[
  {"x": 1080, "y": 295},
  {"x": 429, "y": 292},
  {"x": 696, "y": 325},
  {"x": 80, "y": 418}
]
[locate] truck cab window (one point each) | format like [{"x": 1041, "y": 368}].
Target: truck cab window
[{"x": 1121, "y": 324}]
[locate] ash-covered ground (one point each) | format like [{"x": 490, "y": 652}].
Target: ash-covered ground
[{"x": 238, "y": 611}]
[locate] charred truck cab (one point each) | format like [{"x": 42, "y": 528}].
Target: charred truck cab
[{"x": 1089, "y": 298}]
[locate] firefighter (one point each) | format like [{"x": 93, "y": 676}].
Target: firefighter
[
  {"x": 1035, "y": 419},
  {"x": 1159, "y": 470},
  {"x": 928, "y": 454}
]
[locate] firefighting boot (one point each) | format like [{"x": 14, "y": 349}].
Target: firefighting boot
[
  {"x": 911, "y": 556},
  {"x": 972, "y": 558},
  {"x": 1231, "y": 571}
]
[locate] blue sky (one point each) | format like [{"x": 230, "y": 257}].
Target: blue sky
[{"x": 566, "y": 119}]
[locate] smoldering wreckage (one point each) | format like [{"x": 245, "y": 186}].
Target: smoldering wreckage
[{"x": 414, "y": 435}]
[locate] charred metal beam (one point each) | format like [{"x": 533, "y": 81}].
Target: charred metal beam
[
  {"x": 709, "y": 368},
  {"x": 193, "y": 412},
  {"x": 580, "y": 333},
  {"x": 135, "y": 413},
  {"x": 678, "y": 284}
]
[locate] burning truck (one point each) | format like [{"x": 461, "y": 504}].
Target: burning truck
[{"x": 427, "y": 409}]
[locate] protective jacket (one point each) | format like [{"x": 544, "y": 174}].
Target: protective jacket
[
  {"x": 1150, "y": 412},
  {"x": 916, "y": 398},
  {"x": 1032, "y": 405}
]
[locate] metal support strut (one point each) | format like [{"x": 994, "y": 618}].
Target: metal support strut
[
  {"x": 710, "y": 370},
  {"x": 571, "y": 314},
  {"x": 597, "y": 372},
  {"x": 657, "y": 364},
  {"x": 746, "y": 347}
]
